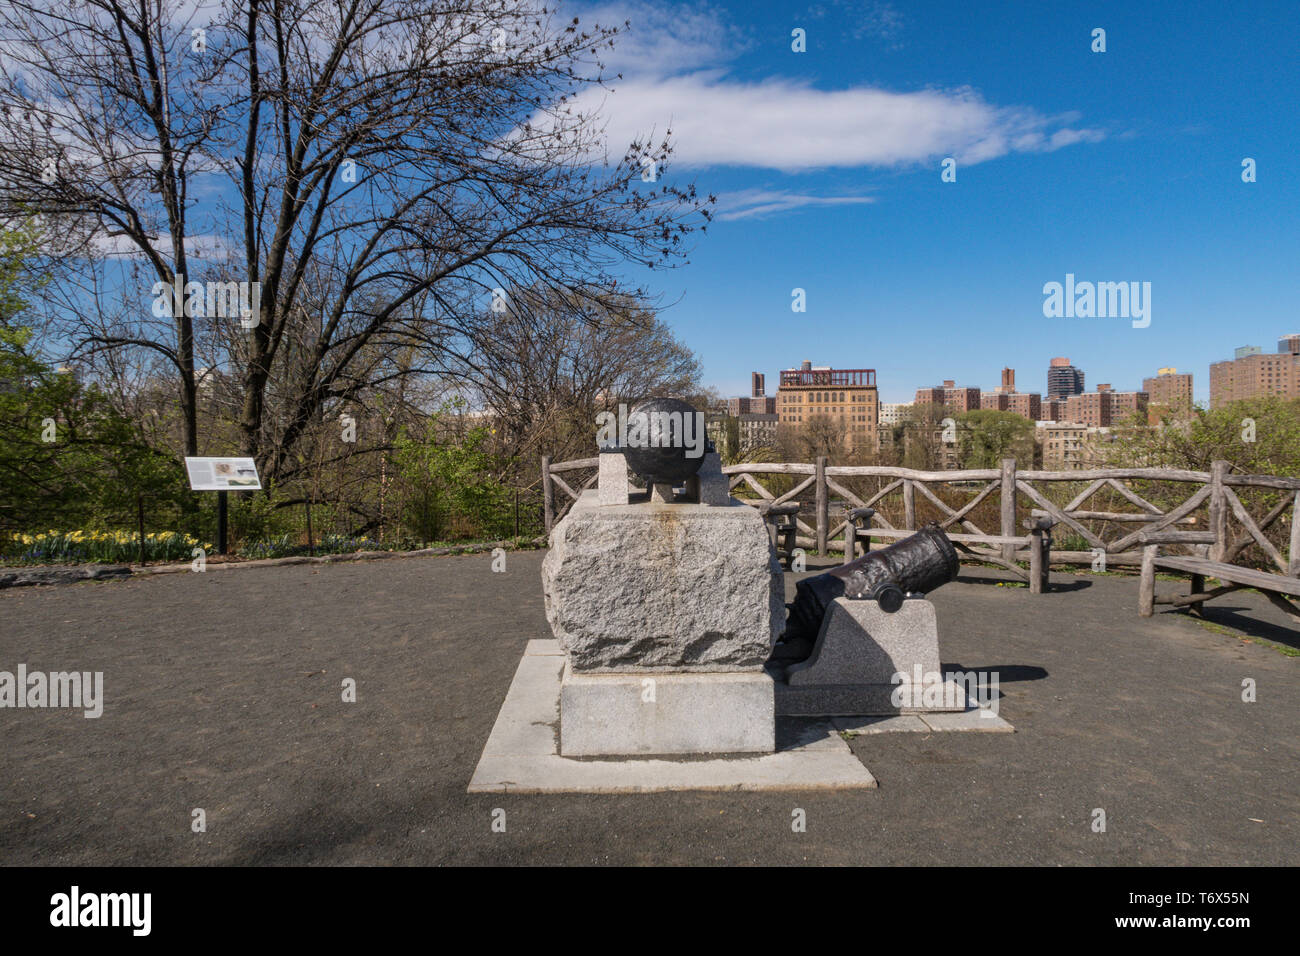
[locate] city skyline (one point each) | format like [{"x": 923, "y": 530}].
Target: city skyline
[
  {"x": 1122, "y": 166},
  {"x": 1200, "y": 382}
]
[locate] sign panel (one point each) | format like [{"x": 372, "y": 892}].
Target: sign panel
[{"x": 222, "y": 474}]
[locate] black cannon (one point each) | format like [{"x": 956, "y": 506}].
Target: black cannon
[{"x": 917, "y": 564}]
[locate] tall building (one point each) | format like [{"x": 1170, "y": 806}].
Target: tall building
[
  {"x": 1125, "y": 405},
  {"x": 1170, "y": 392},
  {"x": 1026, "y": 405},
  {"x": 951, "y": 396},
  {"x": 1104, "y": 407},
  {"x": 1089, "y": 408},
  {"x": 757, "y": 403},
  {"x": 848, "y": 396},
  {"x": 1256, "y": 374},
  {"x": 1005, "y": 398},
  {"x": 1247, "y": 350},
  {"x": 1063, "y": 379}
]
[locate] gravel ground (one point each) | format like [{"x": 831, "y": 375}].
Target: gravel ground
[{"x": 222, "y": 692}]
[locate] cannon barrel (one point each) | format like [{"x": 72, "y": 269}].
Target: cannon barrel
[{"x": 919, "y": 563}]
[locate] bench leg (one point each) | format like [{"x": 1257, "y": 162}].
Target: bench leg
[
  {"x": 1147, "y": 584},
  {"x": 789, "y": 548},
  {"x": 850, "y": 542},
  {"x": 1197, "y": 587}
]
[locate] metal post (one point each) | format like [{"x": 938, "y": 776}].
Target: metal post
[
  {"x": 221, "y": 522},
  {"x": 139, "y": 501}
]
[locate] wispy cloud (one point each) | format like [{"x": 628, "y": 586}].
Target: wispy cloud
[
  {"x": 752, "y": 203},
  {"x": 677, "y": 77}
]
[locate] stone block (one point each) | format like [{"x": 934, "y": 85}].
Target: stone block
[
  {"x": 710, "y": 486},
  {"x": 655, "y": 586},
  {"x": 613, "y": 487},
  {"x": 672, "y": 713}
]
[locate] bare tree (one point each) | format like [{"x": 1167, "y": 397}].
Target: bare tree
[
  {"x": 378, "y": 171},
  {"x": 545, "y": 375}
]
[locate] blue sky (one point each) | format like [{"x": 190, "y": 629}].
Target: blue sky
[{"x": 1115, "y": 166}]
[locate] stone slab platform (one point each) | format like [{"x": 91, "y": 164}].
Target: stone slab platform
[
  {"x": 671, "y": 713},
  {"x": 522, "y": 753}
]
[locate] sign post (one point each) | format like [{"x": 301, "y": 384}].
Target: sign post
[
  {"x": 221, "y": 522},
  {"x": 222, "y": 475}
]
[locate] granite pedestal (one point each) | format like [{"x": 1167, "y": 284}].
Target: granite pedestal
[{"x": 667, "y": 612}]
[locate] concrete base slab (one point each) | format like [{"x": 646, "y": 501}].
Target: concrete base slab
[
  {"x": 978, "y": 719},
  {"x": 522, "y": 753},
  {"x": 670, "y": 713},
  {"x": 906, "y": 723}
]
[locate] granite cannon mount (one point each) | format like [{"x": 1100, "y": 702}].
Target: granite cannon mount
[
  {"x": 858, "y": 635},
  {"x": 913, "y": 566}
]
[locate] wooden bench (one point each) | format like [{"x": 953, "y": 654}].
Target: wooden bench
[
  {"x": 782, "y": 525},
  {"x": 857, "y": 527},
  {"x": 1200, "y": 567}
]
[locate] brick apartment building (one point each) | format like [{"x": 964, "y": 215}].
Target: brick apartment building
[
  {"x": 1105, "y": 407},
  {"x": 950, "y": 396},
  {"x": 1070, "y": 446},
  {"x": 1254, "y": 373},
  {"x": 1053, "y": 410},
  {"x": 846, "y": 395},
  {"x": 1005, "y": 398},
  {"x": 1170, "y": 392},
  {"x": 758, "y": 402}
]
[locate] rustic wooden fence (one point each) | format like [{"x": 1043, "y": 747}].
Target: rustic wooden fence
[{"x": 905, "y": 499}]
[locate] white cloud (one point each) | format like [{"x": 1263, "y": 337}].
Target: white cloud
[{"x": 677, "y": 77}]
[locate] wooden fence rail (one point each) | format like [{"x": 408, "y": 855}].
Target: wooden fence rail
[{"x": 1110, "y": 536}]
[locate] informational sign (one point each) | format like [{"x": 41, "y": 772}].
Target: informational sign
[{"x": 223, "y": 474}]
